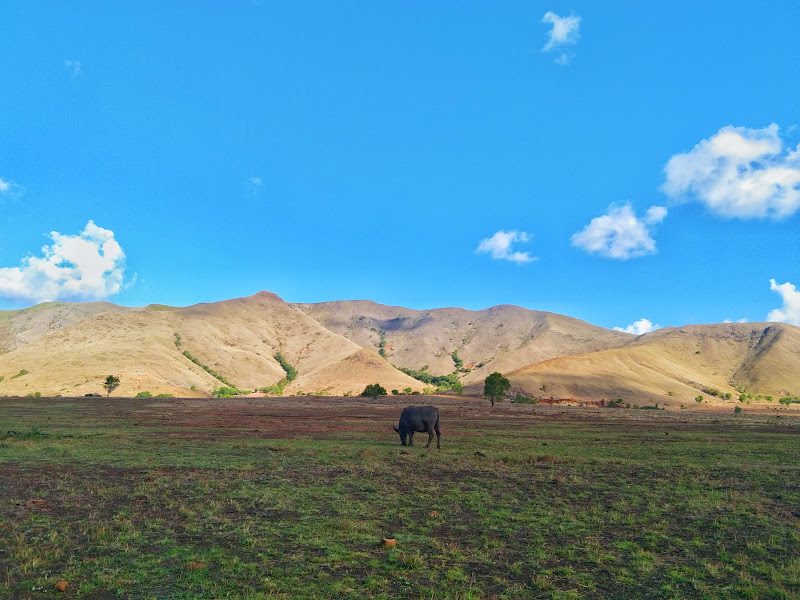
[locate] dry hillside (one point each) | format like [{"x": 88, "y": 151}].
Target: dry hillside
[
  {"x": 676, "y": 364},
  {"x": 69, "y": 349},
  {"x": 501, "y": 338},
  {"x": 21, "y": 327},
  {"x": 237, "y": 339}
]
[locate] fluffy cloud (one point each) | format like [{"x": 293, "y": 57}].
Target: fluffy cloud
[
  {"x": 790, "y": 311},
  {"x": 639, "y": 327},
  {"x": 620, "y": 233},
  {"x": 563, "y": 34},
  {"x": 88, "y": 266},
  {"x": 739, "y": 172},
  {"x": 499, "y": 246}
]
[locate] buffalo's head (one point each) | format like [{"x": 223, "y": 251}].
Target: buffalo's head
[{"x": 402, "y": 435}]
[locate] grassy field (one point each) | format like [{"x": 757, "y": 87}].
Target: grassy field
[{"x": 290, "y": 498}]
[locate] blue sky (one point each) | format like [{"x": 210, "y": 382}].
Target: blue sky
[{"x": 619, "y": 162}]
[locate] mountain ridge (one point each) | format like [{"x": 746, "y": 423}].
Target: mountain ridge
[{"x": 336, "y": 347}]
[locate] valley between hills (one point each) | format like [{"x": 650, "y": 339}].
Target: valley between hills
[{"x": 337, "y": 348}]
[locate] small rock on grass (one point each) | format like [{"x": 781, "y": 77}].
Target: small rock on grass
[
  {"x": 194, "y": 566},
  {"x": 62, "y": 586},
  {"x": 389, "y": 542}
]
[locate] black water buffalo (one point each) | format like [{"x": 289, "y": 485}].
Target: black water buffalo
[{"x": 418, "y": 418}]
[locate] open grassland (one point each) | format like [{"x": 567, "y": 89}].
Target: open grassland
[{"x": 289, "y": 498}]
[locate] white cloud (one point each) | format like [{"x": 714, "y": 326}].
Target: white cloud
[
  {"x": 620, "y": 234},
  {"x": 736, "y": 321},
  {"x": 790, "y": 311},
  {"x": 499, "y": 246},
  {"x": 10, "y": 189},
  {"x": 73, "y": 67},
  {"x": 88, "y": 266},
  {"x": 639, "y": 327},
  {"x": 739, "y": 172},
  {"x": 256, "y": 181},
  {"x": 563, "y": 34}
]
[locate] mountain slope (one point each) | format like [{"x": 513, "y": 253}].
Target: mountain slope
[
  {"x": 501, "y": 338},
  {"x": 237, "y": 339},
  {"x": 69, "y": 349},
  {"x": 684, "y": 361},
  {"x": 21, "y": 327}
]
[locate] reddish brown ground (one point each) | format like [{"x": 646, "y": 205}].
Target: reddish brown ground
[{"x": 331, "y": 417}]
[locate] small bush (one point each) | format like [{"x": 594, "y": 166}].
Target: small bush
[
  {"x": 522, "y": 399},
  {"x": 20, "y": 374},
  {"x": 395, "y": 393},
  {"x": 225, "y": 392},
  {"x": 737, "y": 410},
  {"x": 144, "y": 394},
  {"x": 165, "y": 396},
  {"x": 699, "y": 399},
  {"x": 374, "y": 390}
]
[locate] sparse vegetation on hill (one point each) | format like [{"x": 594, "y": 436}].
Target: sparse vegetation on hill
[
  {"x": 291, "y": 372},
  {"x": 458, "y": 362},
  {"x": 442, "y": 382},
  {"x": 208, "y": 369},
  {"x": 382, "y": 345}
]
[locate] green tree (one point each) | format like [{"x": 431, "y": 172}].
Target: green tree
[
  {"x": 495, "y": 386},
  {"x": 111, "y": 383},
  {"x": 374, "y": 390}
]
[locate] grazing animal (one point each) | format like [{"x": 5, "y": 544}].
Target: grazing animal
[{"x": 418, "y": 418}]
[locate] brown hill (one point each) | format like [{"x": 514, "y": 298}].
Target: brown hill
[
  {"x": 501, "y": 338},
  {"x": 675, "y": 365},
  {"x": 347, "y": 376},
  {"x": 21, "y": 327},
  {"x": 69, "y": 349},
  {"x": 237, "y": 339}
]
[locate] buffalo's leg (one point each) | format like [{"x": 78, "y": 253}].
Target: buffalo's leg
[
  {"x": 438, "y": 434},
  {"x": 430, "y": 437},
  {"x": 410, "y": 438}
]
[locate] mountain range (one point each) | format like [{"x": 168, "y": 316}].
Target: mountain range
[{"x": 337, "y": 348}]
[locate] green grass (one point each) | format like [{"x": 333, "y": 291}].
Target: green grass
[{"x": 125, "y": 505}]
